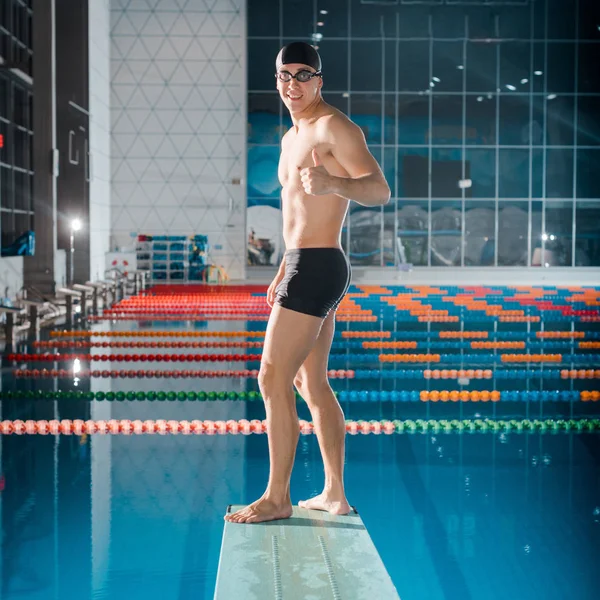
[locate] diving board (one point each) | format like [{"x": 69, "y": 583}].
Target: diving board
[{"x": 310, "y": 556}]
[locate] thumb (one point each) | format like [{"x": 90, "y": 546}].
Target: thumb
[{"x": 316, "y": 158}]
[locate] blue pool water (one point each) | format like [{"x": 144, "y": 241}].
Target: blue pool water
[{"x": 454, "y": 516}]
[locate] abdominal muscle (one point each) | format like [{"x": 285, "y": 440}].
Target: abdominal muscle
[{"x": 312, "y": 221}]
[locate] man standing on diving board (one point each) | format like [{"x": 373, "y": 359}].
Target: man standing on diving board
[{"x": 324, "y": 163}]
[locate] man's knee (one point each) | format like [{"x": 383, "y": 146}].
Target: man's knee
[
  {"x": 272, "y": 378},
  {"x": 311, "y": 389}
]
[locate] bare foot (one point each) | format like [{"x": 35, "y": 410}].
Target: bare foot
[
  {"x": 259, "y": 511},
  {"x": 325, "y": 502}
]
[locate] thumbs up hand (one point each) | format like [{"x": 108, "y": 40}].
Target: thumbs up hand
[{"x": 316, "y": 181}]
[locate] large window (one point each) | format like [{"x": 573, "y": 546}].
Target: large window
[
  {"x": 16, "y": 126},
  {"x": 482, "y": 117}
]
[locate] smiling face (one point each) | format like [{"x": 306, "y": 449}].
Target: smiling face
[{"x": 296, "y": 95}]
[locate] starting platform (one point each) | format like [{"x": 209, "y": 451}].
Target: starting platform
[{"x": 310, "y": 556}]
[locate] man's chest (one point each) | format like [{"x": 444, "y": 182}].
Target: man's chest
[{"x": 296, "y": 154}]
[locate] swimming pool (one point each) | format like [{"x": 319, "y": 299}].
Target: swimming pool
[{"x": 457, "y": 505}]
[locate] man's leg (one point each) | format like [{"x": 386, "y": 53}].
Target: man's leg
[
  {"x": 289, "y": 339},
  {"x": 328, "y": 419}
]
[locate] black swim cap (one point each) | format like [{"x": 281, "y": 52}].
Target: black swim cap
[{"x": 299, "y": 52}]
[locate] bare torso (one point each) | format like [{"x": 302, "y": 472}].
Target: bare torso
[{"x": 310, "y": 221}]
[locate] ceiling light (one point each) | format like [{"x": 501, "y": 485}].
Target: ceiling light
[
  {"x": 320, "y": 24},
  {"x": 479, "y": 98},
  {"x": 460, "y": 67},
  {"x": 323, "y": 12},
  {"x": 436, "y": 79},
  {"x": 538, "y": 73},
  {"x": 551, "y": 96},
  {"x": 510, "y": 87},
  {"x": 317, "y": 37},
  {"x": 524, "y": 81}
]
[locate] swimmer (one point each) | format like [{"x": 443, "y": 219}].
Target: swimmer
[{"x": 324, "y": 164}]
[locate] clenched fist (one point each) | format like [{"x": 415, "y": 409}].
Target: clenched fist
[{"x": 316, "y": 181}]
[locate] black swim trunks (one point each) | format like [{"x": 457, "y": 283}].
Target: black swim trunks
[{"x": 315, "y": 280}]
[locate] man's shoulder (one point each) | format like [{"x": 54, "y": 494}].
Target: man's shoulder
[{"x": 336, "y": 122}]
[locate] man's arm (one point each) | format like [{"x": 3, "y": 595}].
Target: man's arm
[{"x": 366, "y": 183}]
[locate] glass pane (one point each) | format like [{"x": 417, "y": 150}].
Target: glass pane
[
  {"x": 539, "y": 72},
  {"x": 588, "y": 82},
  {"x": 365, "y": 66},
  {"x": 340, "y": 101},
  {"x": 587, "y": 237},
  {"x": 262, "y": 173},
  {"x": 298, "y": 19},
  {"x": 446, "y": 172},
  {"x": 481, "y": 119},
  {"x": 536, "y": 234},
  {"x": 588, "y": 168},
  {"x": 481, "y": 166},
  {"x": 513, "y": 174},
  {"x": 334, "y": 58},
  {"x": 391, "y": 70},
  {"x": 515, "y": 21},
  {"x": 560, "y": 121},
  {"x": 448, "y": 22},
  {"x": 365, "y": 235},
  {"x": 336, "y": 18},
  {"x": 263, "y": 18},
  {"x": 262, "y": 55},
  {"x": 479, "y": 233},
  {"x": 21, "y": 191},
  {"x": 561, "y": 67},
  {"x": 3, "y": 96},
  {"x": 388, "y": 166},
  {"x": 365, "y": 110},
  {"x": 588, "y": 123},
  {"x": 537, "y": 173},
  {"x": 446, "y": 228},
  {"x": 514, "y": 120},
  {"x": 21, "y": 148},
  {"x": 559, "y": 173},
  {"x": 263, "y": 119},
  {"x": 559, "y": 233},
  {"x": 365, "y": 20},
  {"x": 447, "y": 56},
  {"x": 413, "y": 60},
  {"x": 515, "y": 58},
  {"x": 6, "y": 189},
  {"x": 413, "y": 119},
  {"x": 414, "y": 21},
  {"x": 447, "y": 120},
  {"x": 413, "y": 173},
  {"x": 513, "y": 226},
  {"x": 413, "y": 227},
  {"x": 588, "y": 19},
  {"x": 561, "y": 20},
  {"x": 482, "y": 23},
  {"x": 390, "y": 132},
  {"x": 481, "y": 67}
]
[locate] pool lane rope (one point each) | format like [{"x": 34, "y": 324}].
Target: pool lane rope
[
  {"x": 343, "y": 396},
  {"x": 410, "y": 374},
  {"x": 245, "y": 427},
  {"x": 587, "y": 361},
  {"x": 152, "y": 373}
]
